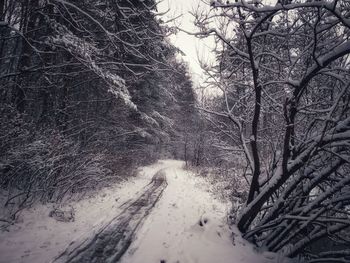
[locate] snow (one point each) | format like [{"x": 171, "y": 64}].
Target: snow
[
  {"x": 87, "y": 54},
  {"x": 187, "y": 225},
  {"x": 38, "y": 238}
]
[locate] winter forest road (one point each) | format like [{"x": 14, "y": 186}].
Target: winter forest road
[
  {"x": 109, "y": 244},
  {"x": 175, "y": 219}
]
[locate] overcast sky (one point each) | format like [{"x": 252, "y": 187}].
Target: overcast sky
[{"x": 190, "y": 45}]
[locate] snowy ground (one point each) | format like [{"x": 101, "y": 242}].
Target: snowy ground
[
  {"x": 187, "y": 225},
  {"x": 38, "y": 238}
]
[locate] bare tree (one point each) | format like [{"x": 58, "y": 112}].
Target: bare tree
[{"x": 284, "y": 74}]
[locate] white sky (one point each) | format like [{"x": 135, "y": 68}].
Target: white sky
[{"x": 192, "y": 47}]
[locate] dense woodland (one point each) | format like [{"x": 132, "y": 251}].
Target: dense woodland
[{"x": 91, "y": 90}]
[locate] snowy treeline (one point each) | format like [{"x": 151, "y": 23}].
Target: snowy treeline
[
  {"x": 89, "y": 90},
  {"x": 283, "y": 72}
]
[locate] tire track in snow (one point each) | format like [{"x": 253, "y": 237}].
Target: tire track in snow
[
  {"x": 189, "y": 225},
  {"x": 112, "y": 240}
]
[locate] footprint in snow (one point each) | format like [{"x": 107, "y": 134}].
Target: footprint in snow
[
  {"x": 203, "y": 221},
  {"x": 166, "y": 245},
  {"x": 45, "y": 244}
]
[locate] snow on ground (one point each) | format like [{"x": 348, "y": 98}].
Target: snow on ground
[
  {"x": 188, "y": 225},
  {"x": 38, "y": 238}
]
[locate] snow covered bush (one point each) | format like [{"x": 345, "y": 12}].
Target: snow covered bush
[
  {"x": 63, "y": 215},
  {"x": 85, "y": 96},
  {"x": 283, "y": 75},
  {"x": 49, "y": 168}
]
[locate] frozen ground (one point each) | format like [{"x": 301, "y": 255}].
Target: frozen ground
[
  {"x": 38, "y": 238},
  {"x": 187, "y": 225}
]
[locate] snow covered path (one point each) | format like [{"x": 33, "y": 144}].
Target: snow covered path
[
  {"x": 38, "y": 238},
  {"x": 188, "y": 225},
  {"x": 112, "y": 240}
]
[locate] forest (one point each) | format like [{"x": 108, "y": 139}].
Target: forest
[{"x": 91, "y": 90}]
